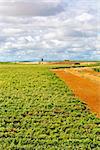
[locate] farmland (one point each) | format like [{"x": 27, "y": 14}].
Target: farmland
[
  {"x": 85, "y": 84},
  {"x": 97, "y": 69},
  {"x": 38, "y": 111}
]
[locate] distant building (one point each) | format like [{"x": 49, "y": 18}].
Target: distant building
[{"x": 76, "y": 63}]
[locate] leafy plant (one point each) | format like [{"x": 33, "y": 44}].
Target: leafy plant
[{"x": 38, "y": 111}]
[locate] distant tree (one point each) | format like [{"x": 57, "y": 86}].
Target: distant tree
[
  {"x": 66, "y": 60},
  {"x": 42, "y": 59}
]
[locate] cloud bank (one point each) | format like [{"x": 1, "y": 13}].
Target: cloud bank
[
  {"x": 31, "y": 8},
  {"x": 54, "y": 30}
]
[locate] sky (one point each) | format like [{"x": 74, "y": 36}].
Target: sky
[{"x": 49, "y": 29}]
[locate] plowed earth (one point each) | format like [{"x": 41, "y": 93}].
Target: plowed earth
[{"x": 83, "y": 87}]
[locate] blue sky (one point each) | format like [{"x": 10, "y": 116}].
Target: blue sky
[{"x": 49, "y": 29}]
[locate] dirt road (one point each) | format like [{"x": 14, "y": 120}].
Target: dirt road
[{"x": 87, "y": 90}]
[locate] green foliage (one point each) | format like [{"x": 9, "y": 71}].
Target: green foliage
[
  {"x": 38, "y": 111},
  {"x": 97, "y": 69},
  {"x": 93, "y": 65}
]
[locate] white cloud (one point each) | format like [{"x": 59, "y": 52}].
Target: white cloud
[
  {"x": 11, "y": 31},
  {"x": 84, "y": 17},
  {"x": 30, "y": 8},
  {"x": 68, "y": 34}
]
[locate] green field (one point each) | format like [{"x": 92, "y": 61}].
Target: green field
[
  {"x": 97, "y": 69},
  {"x": 39, "y": 112}
]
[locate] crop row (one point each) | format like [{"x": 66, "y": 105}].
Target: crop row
[
  {"x": 97, "y": 69},
  {"x": 38, "y": 111}
]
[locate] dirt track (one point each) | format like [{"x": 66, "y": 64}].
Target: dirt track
[
  {"x": 85, "y": 73},
  {"x": 87, "y": 90}
]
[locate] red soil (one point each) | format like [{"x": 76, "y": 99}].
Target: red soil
[
  {"x": 86, "y": 90},
  {"x": 92, "y": 72}
]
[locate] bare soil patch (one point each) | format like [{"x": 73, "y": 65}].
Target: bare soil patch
[
  {"x": 87, "y": 90},
  {"x": 86, "y": 72}
]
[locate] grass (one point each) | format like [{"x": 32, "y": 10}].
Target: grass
[
  {"x": 74, "y": 66},
  {"x": 97, "y": 69},
  {"x": 93, "y": 65},
  {"x": 38, "y": 111}
]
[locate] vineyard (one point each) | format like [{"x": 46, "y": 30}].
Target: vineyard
[{"x": 38, "y": 111}]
